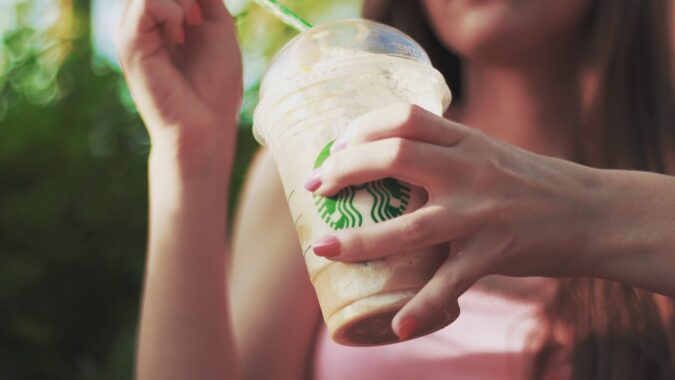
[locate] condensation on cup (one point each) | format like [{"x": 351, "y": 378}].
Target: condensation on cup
[{"x": 315, "y": 86}]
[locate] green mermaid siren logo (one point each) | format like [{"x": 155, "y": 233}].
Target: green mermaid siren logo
[{"x": 389, "y": 199}]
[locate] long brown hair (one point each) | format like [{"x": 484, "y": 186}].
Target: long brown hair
[{"x": 609, "y": 330}]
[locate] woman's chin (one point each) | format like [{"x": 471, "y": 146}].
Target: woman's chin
[
  {"x": 487, "y": 32},
  {"x": 505, "y": 31},
  {"x": 489, "y": 44}
]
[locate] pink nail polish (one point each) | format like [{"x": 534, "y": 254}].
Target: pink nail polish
[
  {"x": 328, "y": 246},
  {"x": 339, "y": 144},
  {"x": 195, "y": 17},
  {"x": 407, "y": 327},
  {"x": 179, "y": 38},
  {"x": 313, "y": 181}
]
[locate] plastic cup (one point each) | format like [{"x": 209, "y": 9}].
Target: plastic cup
[{"x": 315, "y": 86}]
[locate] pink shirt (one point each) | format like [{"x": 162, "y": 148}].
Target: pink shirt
[{"x": 489, "y": 340}]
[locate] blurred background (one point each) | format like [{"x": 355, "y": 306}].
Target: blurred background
[{"x": 73, "y": 202}]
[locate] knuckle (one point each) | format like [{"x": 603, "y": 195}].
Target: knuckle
[
  {"x": 149, "y": 7},
  {"x": 432, "y": 306},
  {"x": 328, "y": 166},
  {"x": 400, "y": 151},
  {"x": 418, "y": 231},
  {"x": 483, "y": 177},
  {"x": 411, "y": 114},
  {"x": 499, "y": 212},
  {"x": 355, "y": 135},
  {"x": 456, "y": 284},
  {"x": 354, "y": 247},
  {"x": 471, "y": 138},
  {"x": 335, "y": 165}
]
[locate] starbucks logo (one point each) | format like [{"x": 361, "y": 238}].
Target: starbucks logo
[{"x": 380, "y": 200}]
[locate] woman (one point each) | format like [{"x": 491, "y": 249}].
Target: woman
[{"x": 544, "y": 83}]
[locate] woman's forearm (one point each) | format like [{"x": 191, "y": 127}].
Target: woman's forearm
[
  {"x": 185, "y": 330},
  {"x": 633, "y": 239}
]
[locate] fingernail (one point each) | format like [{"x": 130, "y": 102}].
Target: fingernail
[
  {"x": 340, "y": 143},
  {"x": 179, "y": 38},
  {"x": 313, "y": 181},
  {"x": 195, "y": 17},
  {"x": 328, "y": 246},
  {"x": 407, "y": 327}
]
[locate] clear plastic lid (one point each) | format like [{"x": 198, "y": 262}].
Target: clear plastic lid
[
  {"x": 342, "y": 56},
  {"x": 335, "y": 40}
]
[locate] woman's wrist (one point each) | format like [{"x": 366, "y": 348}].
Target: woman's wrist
[
  {"x": 632, "y": 238},
  {"x": 176, "y": 183},
  {"x": 606, "y": 230},
  {"x": 197, "y": 153}
]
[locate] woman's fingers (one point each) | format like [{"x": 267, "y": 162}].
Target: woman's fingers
[
  {"x": 406, "y": 233},
  {"x": 402, "y": 120},
  {"x": 435, "y": 306},
  {"x": 145, "y": 23},
  {"x": 214, "y": 10},
  {"x": 407, "y": 160},
  {"x": 149, "y": 20},
  {"x": 194, "y": 14},
  {"x": 186, "y": 5}
]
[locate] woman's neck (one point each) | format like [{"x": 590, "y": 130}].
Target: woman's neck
[{"x": 536, "y": 107}]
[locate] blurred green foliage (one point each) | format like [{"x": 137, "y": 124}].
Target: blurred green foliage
[{"x": 73, "y": 187}]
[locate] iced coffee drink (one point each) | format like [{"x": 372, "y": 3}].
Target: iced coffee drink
[{"x": 316, "y": 85}]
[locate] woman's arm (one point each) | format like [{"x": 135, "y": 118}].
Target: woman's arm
[
  {"x": 183, "y": 67},
  {"x": 185, "y": 327},
  {"x": 275, "y": 310},
  {"x": 633, "y": 240},
  {"x": 503, "y": 210}
]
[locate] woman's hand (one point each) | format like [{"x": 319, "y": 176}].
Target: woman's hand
[
  {"x": 502, "y": 210},
  {"x": 183, "y": 66}
]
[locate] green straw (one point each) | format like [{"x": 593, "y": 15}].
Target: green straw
[{"x": 284, "y": 14}]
